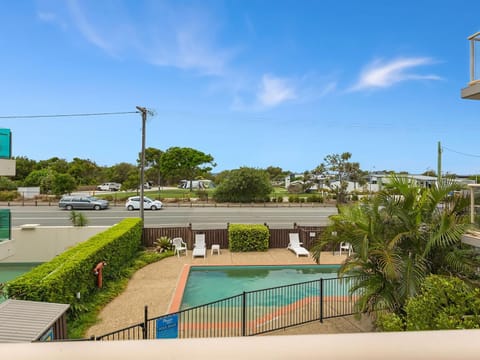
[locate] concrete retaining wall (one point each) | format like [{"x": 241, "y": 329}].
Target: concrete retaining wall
[{"x": 42, "y": 243}]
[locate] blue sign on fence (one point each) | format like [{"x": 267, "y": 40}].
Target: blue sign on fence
[{"x": 167, "y": 327}]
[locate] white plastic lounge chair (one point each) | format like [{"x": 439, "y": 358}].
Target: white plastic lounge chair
[
  {"x": 346, "y": 247},
  {"x": 178, "y": 246},
  {"x": 199, "y": 248},
  {"x": 296, "y": 246}
]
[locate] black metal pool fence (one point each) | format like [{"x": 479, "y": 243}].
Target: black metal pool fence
[{"x": 250, "y": 313}]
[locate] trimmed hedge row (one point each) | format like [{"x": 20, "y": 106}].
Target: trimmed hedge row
[
  {"x": 244, "y": 237},
  {"x": 71, "y": 272}
]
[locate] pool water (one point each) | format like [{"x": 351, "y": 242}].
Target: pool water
[
  {"x": 13, "y": 270},
  {"x": 206, "y": 284}
]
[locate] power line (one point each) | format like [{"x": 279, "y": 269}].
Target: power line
[
  {"x": 461, "y": 153},
  {"x": 67, "y": 115}
]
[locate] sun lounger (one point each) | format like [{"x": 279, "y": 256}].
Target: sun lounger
[
  {"x": 199, "y": 248},
  {"x": 296, "y": 246}
]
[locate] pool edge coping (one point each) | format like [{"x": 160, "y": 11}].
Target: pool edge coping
[{"x": 177, "y": 297}]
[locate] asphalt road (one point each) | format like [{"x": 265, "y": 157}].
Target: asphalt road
[{"x": 199, "y": 217}]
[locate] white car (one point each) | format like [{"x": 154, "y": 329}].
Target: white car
[
  {"x": 133, "y": 203},
  {"x": 109, "y": 187}
]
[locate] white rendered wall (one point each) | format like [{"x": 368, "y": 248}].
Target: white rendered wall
[{"x": 43, "y": 243}]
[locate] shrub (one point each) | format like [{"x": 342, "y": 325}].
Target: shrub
[
  {"x": 248, "y": 237},
  {"x": 6, "y": 184},
  {"x": 244, "y": 185},
  {"x": 71, "y": 272},
  {"x": 202, "y": 195},
  {"x": 8, "y": 195},
  {"x": 163, "y": 243},
  {"x": 78, "y": 218},
  {"x": 443, "y": 303},
  {"x": 280, "y": 199}
]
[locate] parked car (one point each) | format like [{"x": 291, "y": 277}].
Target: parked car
[
  {"x": 133, "y": 203},
  {"x": 110, "y": 186},
  {"x": 82, "y": 203}
]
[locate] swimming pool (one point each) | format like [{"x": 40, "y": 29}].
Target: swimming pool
[
  {"x": 9, "y": 271},
  {"x": 206, "y": 284}
]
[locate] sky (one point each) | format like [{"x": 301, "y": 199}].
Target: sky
[{"x": 253, "y": 83}]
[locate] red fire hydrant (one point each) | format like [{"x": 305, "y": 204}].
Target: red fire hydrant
[{"x": 98, "y": 272}]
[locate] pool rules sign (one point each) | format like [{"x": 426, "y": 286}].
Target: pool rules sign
[{"x": 167, "y": 327}]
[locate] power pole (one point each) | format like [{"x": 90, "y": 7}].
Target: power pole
[
  {"x": 143, "y": 111},
  {"x": 439, "y": 163}
]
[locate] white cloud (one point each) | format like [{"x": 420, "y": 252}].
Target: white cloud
[
  {"x": 50, "y": 17},
  {"x": 274, "y": 90},
  {"x": 87, "y": 29},
  {"x": 382, "y": 75},
  {"x": 46, "y": 16},
  {"x": 169, "y": 35}
]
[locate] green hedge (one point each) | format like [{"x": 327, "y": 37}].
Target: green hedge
[
  {"x": 248, "y": 237},
  {"x": 60, "y": 279}
]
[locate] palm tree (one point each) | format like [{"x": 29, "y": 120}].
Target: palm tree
[{"x": 400, "y": 236}]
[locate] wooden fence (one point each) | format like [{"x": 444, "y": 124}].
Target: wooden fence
[{"x": 278, "y": 237}]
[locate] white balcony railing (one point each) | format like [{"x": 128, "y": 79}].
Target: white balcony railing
[{"x": 474, "y": 58}]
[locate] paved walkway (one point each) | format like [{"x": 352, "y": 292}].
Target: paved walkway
[{"x": 155, "y": 284}]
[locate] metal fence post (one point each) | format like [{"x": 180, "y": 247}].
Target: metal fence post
[
  {"x": 145, "y": 323},
  {"x": 244, "y": 313},
  {"x": 321, "y": 300}
]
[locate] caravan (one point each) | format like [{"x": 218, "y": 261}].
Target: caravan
[{"x": 196, "y": 184}]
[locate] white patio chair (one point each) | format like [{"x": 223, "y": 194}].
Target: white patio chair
[
  {"x": 346, "y": 246},
  {"x": 178, "y": 246}
]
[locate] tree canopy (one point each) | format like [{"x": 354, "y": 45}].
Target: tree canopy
[
  {"x": 400, "y": 236},
  {"x": 244, "y": 185},
  {"x": 185, "y": 163},
  {"x": 342, "y": 170}
]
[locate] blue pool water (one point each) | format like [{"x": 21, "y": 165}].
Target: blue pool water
[
  {"x": 206, "y": 284},
  {"x": 13, "y": 270}
]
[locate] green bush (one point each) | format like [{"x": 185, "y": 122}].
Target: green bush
[
  {"x": 8, "y": 195},
  {"x": 280, "y": 199},
  {"x": 71, "y": 272},
  {"x": 78, "y": 218},
  {"x": 443, "y": 303},
  {"x": 244, "y": 185},
  {"x": 293, "y": 199},
  {"x": 244, "y": 237},
  {"x": 202, "y": 195}
]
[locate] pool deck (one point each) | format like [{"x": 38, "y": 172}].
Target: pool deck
[{"x": 155, "y": 286}]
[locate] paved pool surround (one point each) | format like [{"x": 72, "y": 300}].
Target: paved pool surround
[{"x": 155, "y": 286}]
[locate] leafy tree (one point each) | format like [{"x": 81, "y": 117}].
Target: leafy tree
[
  {"x": 152, "y": 164},
  {"x": 444, "y": 302},
  {"x": 132, "y": 182},
  {"x": 342, "y": 171},
  {"x": 6, "y": 184},
  {"x": 276, "y": 173},
  {"x": 85, "y": 172},
  {"x": 63, "y": 184},
  {"x": 56, "y": 164},
  {"x": 24, "y": 166},
  {"x": 42, "y": 178},
  {"x": 185, "y": 163},
  {"x": 121, "y": 172},
  {"x": 221, "y": 176},
  {"x": 400, "y": 236},
  {"x": 244, "y": 185}
]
